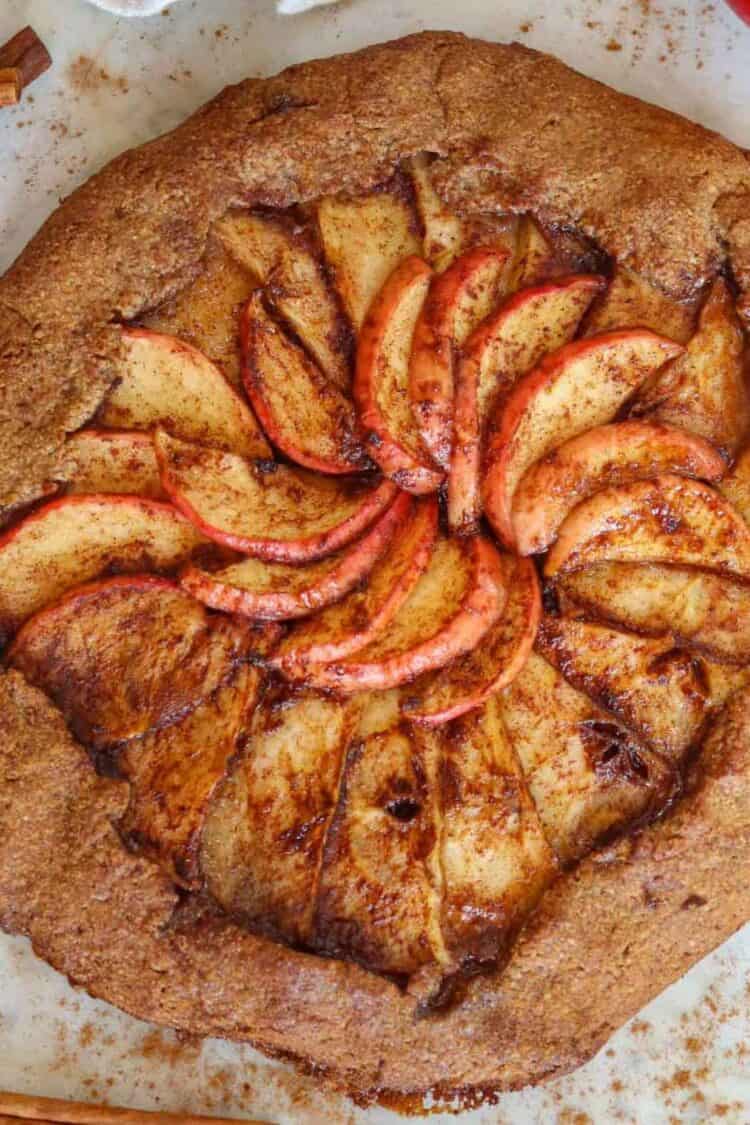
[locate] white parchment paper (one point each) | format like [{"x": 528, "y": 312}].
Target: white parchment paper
[{"x": 116, "y": 83}]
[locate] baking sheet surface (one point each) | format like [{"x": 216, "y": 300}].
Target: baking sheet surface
[{"x": 116, "y": 83}]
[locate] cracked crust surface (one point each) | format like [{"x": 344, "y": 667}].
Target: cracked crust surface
[
  {"x": 607, "y": 937},
  {"x": 661, "y": 194}
]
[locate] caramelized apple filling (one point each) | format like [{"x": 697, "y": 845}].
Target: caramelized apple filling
[{"x": 289, "y": 588}]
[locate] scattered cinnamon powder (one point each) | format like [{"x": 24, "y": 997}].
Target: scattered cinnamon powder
[
  {"x": 168, "y": 1047},
  {"x": 86, "y": 76}
]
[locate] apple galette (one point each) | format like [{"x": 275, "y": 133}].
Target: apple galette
[{"x": 375, "y": 586}]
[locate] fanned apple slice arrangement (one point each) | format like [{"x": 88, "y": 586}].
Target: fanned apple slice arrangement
[{"x": 407, "y": 557}]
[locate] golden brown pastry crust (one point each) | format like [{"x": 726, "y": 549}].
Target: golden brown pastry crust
[
  {"x": 659, "y": 193},
  {"x": 522, "y": 131}
]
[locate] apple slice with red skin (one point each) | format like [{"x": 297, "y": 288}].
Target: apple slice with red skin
[
  {"x": 503, "y": 348},
  {"x": 303, "y": 413},
  {"x": 456, "y": 302},
  {"x": 280, "y": 591},
  {"x": 364, "y": 614},
  {"x": 129, "y": 655},
  {"x": 669, "y": 519},
  {"x": 381, "y": 380},
  {"x": 581, "y": 385},
  {"x": 275, "y": 512},
  {"x": 601, "y": 458},
  {"x": 165, "y": 382},
  {"x": 458, "y": 598},
  {"x": 364, "y": 239},
  {"x": 494, "y": 663},
  {"x": 74, "y": 539},
  {"x": 281, "y": 256},
  {"x": 104, "y": 461},
  {"x": 706, "y": 612}
]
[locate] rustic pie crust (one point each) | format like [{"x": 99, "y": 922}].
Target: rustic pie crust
[{"x": 516, "y": 131}]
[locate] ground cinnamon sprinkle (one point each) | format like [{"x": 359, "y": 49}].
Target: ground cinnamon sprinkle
[{"x": 87, "y": 76}]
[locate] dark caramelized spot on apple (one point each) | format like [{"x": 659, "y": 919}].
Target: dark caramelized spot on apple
[
  {"x": 404, "y": 808},
  {"x": 612, "y": 752},
  {"x": 263, "y": 465},
  {"x": 550, "y": 599}
]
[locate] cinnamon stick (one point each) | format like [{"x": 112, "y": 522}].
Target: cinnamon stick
[
  {"x": 10, "y": 85},
  {"x": 23, "y": 1107},
  {"x": 28, "y": 57}
]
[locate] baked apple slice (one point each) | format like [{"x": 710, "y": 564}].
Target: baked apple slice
[
  {"x": 600, "y": 458},
  {"x": 456, "y": 302},
  {"x": 281, "y": 257},
  {"x": 381, "y": 380},
  {"x": 74, "y": 539},
  {"x": 724, "y": 681},
  {"x": 504, "y": 347},
  {"x": 266, "y": 826},
  {"x": 355, "y": 621},
  {"x": 541, "y": 255},
  {"x": 276, "y": 512},
  {"x": 443, "y": 229},
  {"x": 534, "y": 260},
  {"x": 669, "y": 519},
  {"x": 173, "y": 772},
  {"x": 278, "y": 591},
  {"x": 494, "y": 857},
  {"x": 303, "y": 413},
  {"x": 630, "y": 301},
  {"x": 581, "y": 385},
  {"x": 446, "y": 233},
  {"x": 653, "y": 688},
  {"x": 364, "y": 239},
  {"x": 497, "y": 659},
  {"x": 165, "y": 382},
  {"x": 706, "y": 612},
  {"x": 456, "y": 600},
  {"x": 378, "y": 899},
  {"x": 736, "y": 485},
  {"x": 103, "y": 461},
  {"x": 128, "y": 655},
  {"x": 588, "y": 776},
  {"x": 206, "y": 312},
  {"x": 704, "y": 390}
]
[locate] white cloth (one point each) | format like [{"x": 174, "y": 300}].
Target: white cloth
[
  {"x": 151, "y": 7},
  {"x": 132, "y": 7}
]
